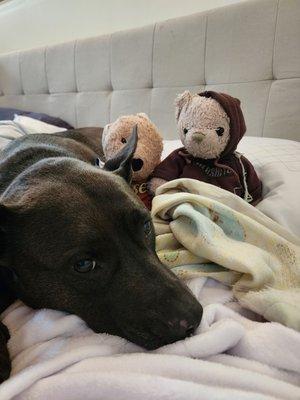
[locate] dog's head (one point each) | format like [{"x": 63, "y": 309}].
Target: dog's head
[{"x": 75, "y": 238}]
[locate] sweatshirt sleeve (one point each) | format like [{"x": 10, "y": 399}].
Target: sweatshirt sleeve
[{"x": 170, "y": 168}]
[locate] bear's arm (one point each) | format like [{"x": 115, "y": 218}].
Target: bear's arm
[
  {"x": 170, "y": 168},
  {"x": 253, "y": 182}
]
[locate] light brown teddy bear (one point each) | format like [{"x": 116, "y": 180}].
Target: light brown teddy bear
[
  {"x": 210, "y": 125},
  {"x": 148, "y": 151}
]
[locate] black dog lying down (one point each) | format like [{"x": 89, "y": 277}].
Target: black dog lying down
[{"x": 74, "y": 238}]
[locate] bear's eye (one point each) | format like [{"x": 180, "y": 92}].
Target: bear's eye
[
  {"x": 185, "y": 131},
  {"x": 123, "y": 140},
  {"x": 220, "y": 131}
]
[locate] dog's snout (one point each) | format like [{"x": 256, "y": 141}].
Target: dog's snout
[
  {"x": 137, "y": 164},
  {"x": 167, "y": 312}
]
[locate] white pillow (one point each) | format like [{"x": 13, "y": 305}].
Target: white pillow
[
  {"x": 22, "y": 125},
  {"x": 9, "y": 131},
  {"x": 31, "y": 125},
  {"x": 277, "y": 162}
]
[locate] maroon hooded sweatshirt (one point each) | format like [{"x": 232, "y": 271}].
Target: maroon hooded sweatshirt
[{"x": 230, "y": 171}]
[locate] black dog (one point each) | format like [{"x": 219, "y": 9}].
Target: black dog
[{"x": 73, "y": 237}]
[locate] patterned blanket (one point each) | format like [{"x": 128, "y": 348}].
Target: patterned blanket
[{"x": 203, "y": 230}]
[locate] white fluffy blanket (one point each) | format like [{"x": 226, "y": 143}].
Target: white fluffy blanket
[{"x": 232, "y": 356}]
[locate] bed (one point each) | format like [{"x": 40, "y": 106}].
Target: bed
[{"x": 250, "y": 50}]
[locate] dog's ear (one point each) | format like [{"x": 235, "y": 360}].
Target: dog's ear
[
  {"x": 6, "y": 220},
  {"x": 120, "y": 164},
  {"x": 4, "y": 217}
]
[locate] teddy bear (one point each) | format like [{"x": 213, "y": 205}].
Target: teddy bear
[
  {"x": 210, "y": 125},
  {"x": 147, "y": 154}
]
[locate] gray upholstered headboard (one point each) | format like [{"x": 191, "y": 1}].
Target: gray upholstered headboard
[{"x": 250, "y": 50}]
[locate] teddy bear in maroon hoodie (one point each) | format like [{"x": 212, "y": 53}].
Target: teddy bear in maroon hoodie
[{"x": 211, "y": 125}]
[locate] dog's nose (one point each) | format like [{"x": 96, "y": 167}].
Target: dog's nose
[
  {"x": 137, "y": 164},
  {"x": 182, "y": 328}
]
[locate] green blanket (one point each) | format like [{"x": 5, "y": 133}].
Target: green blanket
[{"x": 202, "y": 230}]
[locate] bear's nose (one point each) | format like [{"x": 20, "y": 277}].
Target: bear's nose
[
  {"x": 198, "y": 136},
  {"x": 137, "y": 164}
]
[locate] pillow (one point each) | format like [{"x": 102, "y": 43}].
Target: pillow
[
  {"x": 9, "y": 114},
  {"x": 277, "y": 162},
  {"x": 30, "y": 125},
  {"x": 9, "y": 131},
  {"x": 21, "y": 126}
]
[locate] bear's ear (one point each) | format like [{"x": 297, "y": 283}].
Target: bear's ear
[
  {"x": 182, "y": 100},
  {"x": 120, "y": 164},
  {"x": 143, "y": 115}
]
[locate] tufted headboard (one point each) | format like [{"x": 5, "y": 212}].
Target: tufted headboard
[{"x": 250, "y": 50}]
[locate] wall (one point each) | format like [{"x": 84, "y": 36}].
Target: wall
[{"x": 31, "y": 23}]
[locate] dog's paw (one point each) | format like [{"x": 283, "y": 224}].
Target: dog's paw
[
  {"x": 4, "y": 371},
  {"x": 4, "y": 333},
  {"x": 5, "y": 365}
]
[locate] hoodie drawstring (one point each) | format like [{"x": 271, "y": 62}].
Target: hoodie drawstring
[{"x": 247, "y": 195}]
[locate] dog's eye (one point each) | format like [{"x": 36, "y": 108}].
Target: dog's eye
[
  {"x": 85, "y": 265},
  {"x": 147, "y": 228},
  {"x": 185, "y": 131},
  {"x": 220, "y": 131},
  {"x": 123, "y": 140}
]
